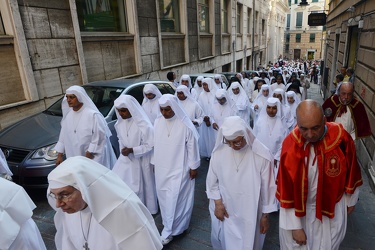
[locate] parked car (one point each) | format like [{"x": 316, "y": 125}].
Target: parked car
[
  {"x": 195, "y": 75},
  {"x": 29, "y": 144}
]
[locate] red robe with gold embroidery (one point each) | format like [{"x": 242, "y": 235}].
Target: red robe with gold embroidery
[
  {"x": 332, "y": 108},
  {"x": 338, "y": 171}
]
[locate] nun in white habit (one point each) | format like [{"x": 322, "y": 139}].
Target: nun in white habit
[
  {"x": 264, "y": 93},
  {"x": 223, "y": 107},
  {"x": 241, "y": 188},
  {"x": 292, "y": 100},
  {"x": 186, "y": 80},
  {"x": 219, "y": 82},
  {"x": 17, "y": 229},
  {"x": 150, "y": 104},
  {"x": 271, "y": 130},
  {"x": 176, "y": 159},
  {"x": 206, "y": 132},
  {"x": 239, "y": 96},
  {"x": 136, "y": 141},
  {"x": 84, "y": 131},
  {"x": 286, "y": 113},
  {"x": 190, "y": 105},
  {"x": 198, "y": 86},
  {"x": 96, "y": 210}
]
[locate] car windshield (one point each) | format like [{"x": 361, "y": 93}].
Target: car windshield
[{"x": 103, "y": 97}]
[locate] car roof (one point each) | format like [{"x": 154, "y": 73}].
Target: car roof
[{"x": 122, "y": 83}]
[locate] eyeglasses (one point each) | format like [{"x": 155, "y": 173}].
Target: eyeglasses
[
  {"x": 237, "y": 143},
  {"x": 61, "y": 197}
]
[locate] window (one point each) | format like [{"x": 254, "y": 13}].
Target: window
[
  {"x": 102, "y": 16},
  {"x": 298, "y": 38},
  {"x": 287, "y": 38},
  {"x": 224, "y": 16},
  {"x": 295, "y": 1},
  {"x": 249, "y": 21},
  {"x": 204, "y": 16},
  {"x": 287, "y": 48},
  {"x": 299, "y": 19},
  {"x": 314, "y": 1},
  {"x": 312, "y": 38},
  {"x": 2, "y": 30},
  {"x": 289, "y": 2},
  {"x": 288, "y": 21},
  {"x": 169, "y": 16},
  {"x": 263, "y": 26},
  {"x": 239, "y": 19},
  {"x": 256, "y": 22}
]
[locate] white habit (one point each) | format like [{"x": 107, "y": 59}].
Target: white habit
[
  {"x": 244, "y": 180},
  {"x": 207, "y": 134},
  {"x": 190, "y": 105},
  {"x": 151, "y": 107},
  {"x": 85, "y": 130},
  {"x": 17, "y": 228},
  {"x": 135, "y": 169},
  {"x": 175, "y": 153},
  {"x": 114, "y": 218}
]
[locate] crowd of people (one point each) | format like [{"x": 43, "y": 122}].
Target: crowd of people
[{"x": 269, "y": 149}]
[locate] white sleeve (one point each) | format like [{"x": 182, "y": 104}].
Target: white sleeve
[{"x": 288, "y": 220}]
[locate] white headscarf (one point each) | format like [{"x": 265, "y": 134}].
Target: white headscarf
[
  {"x": 150, "y": 89},
  {"x": 234, "y": 126},
  {"x": 112, "y": 203},
  {"x": 186, "y": 78},
  {"x": 272, "y": 101},
  {"x": 185, "y": 90},
  {"x": 82, "y": 97},
  {"x": 137, "y": 112},
  {"x": 172, "y": 101},
  {"x": 279, "y": 91},
  {"x": 242, "y": 93},
  {"x": 260, "y": 97},
  {"x": 293, "y": 106},
  {"x": 222, "y": 93},
  {"x": 211, "y": 85},
  {"x": 16, "y": 208}
]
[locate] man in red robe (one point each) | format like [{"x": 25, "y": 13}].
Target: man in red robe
[
  {"x": 343, "y": 107},
  {"x": 318, "y": 181}
]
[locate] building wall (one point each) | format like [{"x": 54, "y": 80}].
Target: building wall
[
  {"x": 343, "y": 29},
  {"x": 305, "y": 46},
  {"x": 46, "y": 50}
]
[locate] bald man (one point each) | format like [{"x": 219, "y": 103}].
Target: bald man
[
  {"x": 343, "y": 107},
  {"x": 318, "y": 181}
]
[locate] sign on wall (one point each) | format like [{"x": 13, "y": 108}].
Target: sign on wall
[{"x": 317, "y": 19}]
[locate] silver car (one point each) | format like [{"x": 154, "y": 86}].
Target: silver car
[{"x": 28, "y": 145}]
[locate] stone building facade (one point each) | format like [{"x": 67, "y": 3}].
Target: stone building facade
[
  {"x": 48, "y": 45},
  {"x": 301, "y": 40},
  {"x": 351, "y": 42}
]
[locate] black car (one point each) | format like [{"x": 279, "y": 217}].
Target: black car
[{"x": 28, "y": 145}]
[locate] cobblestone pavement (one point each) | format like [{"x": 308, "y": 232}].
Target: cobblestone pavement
[{"x": 360, "y": 231}]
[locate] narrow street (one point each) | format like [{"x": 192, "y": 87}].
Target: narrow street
[{"x": 360, "y": 231}]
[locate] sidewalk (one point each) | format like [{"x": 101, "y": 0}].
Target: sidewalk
[{"x": 361, "y": 224}]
